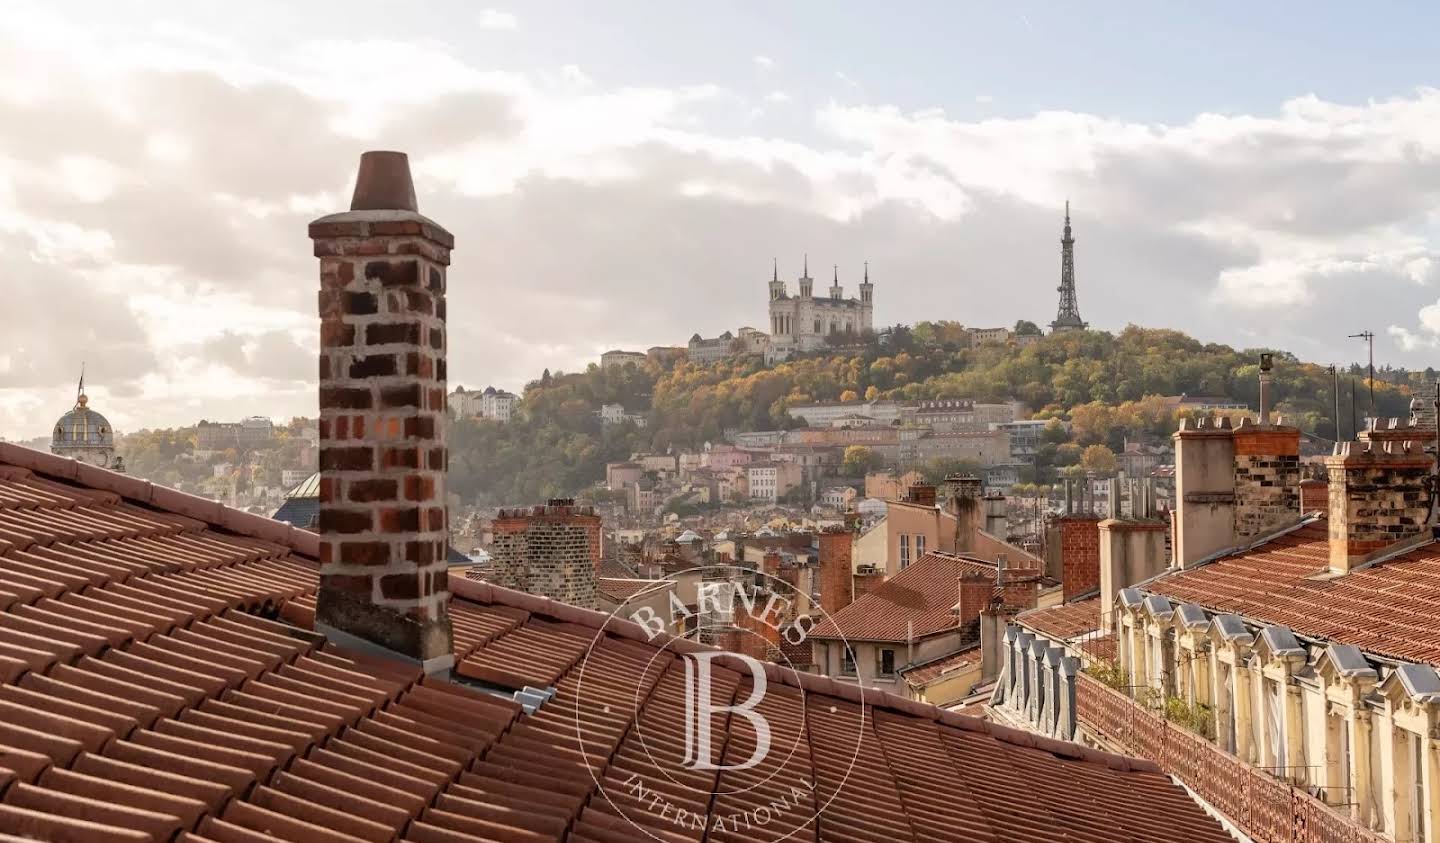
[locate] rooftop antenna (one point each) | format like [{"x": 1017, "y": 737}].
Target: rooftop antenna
[
  {"x": 1369, "y": 337},
  {"x": 1335, "y": 373}
]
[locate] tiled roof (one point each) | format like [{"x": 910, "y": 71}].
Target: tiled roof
[
  {"x": 146, "y": 697},
  {"x": 922, "y": 675},
  {"x": 916, "y": 602},
  {"x": 1391, "y": 608},
  {"x": 621, "y": 590},
  {"x": 615, "y": 570},
  {"x": 1065, "y": 621}
]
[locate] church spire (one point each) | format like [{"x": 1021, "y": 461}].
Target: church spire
[
  {"x": 867, "y": 272},
  {"x": 774, "y": 269},
  {"x": 805, "y": 272}
]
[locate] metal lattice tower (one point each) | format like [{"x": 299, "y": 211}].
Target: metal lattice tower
[{"x": 1068, "y": 317}]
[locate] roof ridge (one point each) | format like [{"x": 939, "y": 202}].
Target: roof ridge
[
  {"x": 136, "y": 489},
  {"x": 490, "y": 594}
]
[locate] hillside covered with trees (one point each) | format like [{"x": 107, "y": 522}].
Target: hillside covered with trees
[{"x": 1106, "y": 385}]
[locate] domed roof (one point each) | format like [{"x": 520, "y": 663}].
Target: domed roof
[{"x": 83, "y": 427}]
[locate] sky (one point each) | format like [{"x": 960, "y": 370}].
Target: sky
[{"x": 621, "y": 175}]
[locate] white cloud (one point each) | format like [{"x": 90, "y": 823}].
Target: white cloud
[
  {"x": 984, "y": 99},
  {"x": 764, "y": 62},
  {"x": 173, "y": 218},
  {"x": 843, "y": 77},
  {"x": 496, "y": 19}
]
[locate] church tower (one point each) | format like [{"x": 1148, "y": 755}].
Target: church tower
[
  {"x": 805, "y": 282},
  {"x": 1068, "y": 316},
  {"x": 836, "y": 292},
  {"x": 777, "y": 287},
  {"x": 867, "y": 290}
]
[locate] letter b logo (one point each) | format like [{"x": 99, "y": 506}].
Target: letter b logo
[{"x": 699, "y": 708}]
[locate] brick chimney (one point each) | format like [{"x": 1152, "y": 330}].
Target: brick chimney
[
  {"x": 1234, "y": 484},
  {"x": 1267, "y": 478},
  {"x": 1314, "y": 495},
  {"x": 1079, "y": 553},
  {"x": 770, "y": 564},
  {"x": 383, "y": 522},
  {"x": 1019, "y": 586},
  {"x": 976, "y": 590},
  {"x": 922, "y": 494},
  {"x": 549, "y": 551},
  {"x": 836, "y": 571},
  {"x": 1379, "y": 495}
]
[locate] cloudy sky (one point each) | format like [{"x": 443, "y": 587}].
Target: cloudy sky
[{"x": 621, "y": 174}]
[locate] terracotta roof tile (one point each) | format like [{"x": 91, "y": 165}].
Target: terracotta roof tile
[
  {"x": 144, "y": 697},
  {"x": 921, "y": 675},
  {"x": 917, "y": 601},
  {"x": 1388, "y": 608},
  {"x": 1064, "y": 621}
]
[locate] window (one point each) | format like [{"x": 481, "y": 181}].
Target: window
[
  {"x": 919, "y": 546},
  {"x": 904, "y": 550},
  {"x": 887, "y": 663},
  {"x": 847, "y": 662}
]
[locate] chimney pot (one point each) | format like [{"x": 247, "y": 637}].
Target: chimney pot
[{"x": 383, "y": 183}]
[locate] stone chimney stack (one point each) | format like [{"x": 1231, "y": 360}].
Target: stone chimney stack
[
  {"x": 549, "y": 550},
  {"x": 383, "y": 521},
  {"x": 1234, "y": 484},
  {"x": 969, "y": 508},
  {"x": 1379, "y": 495},
  {"x": 836, "y": 571}
]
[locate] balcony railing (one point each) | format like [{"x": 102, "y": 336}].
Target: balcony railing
[{"x": 1264, "y": 807}]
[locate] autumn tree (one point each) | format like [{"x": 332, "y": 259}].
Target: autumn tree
[{"x": 1099, "y": 460}]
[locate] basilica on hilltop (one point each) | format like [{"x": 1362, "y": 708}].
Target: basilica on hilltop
[{"x": 801, "y": 323}]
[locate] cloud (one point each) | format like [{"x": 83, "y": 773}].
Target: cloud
[
  {"x": 496, "y": 19},
  {"x": 777, "y": 97},
  {"x": 764, "y": 62},
  {"x": 154, "y": 197}
]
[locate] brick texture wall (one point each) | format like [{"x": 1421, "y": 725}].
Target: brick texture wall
[
  {"x": 770, "y": 565},
  {"x": 383, "y": 521},
  {"x": 548, "y": 551},
  {"x": 1079, "y": 554},
  {"x": 1378, "y": 496},
  {"x": 976, "y": 591},
  {"x": 863, "y": 584},
  {"x": 836, "y": 570},
  {"x": 1314, "y": 495},
  {"x": 1267, "y": 478}
]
